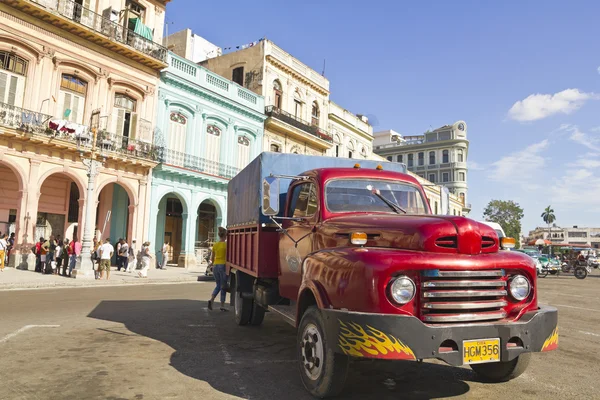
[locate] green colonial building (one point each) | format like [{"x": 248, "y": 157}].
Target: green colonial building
[{"x": 208, "y": 128}]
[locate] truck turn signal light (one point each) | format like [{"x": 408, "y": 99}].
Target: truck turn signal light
[
  {"x": 357, "y": 166},
  {"x": 507, "y": 243},
  {"x": 359, "y": 238},
  {"x": 379, "y": 167}
]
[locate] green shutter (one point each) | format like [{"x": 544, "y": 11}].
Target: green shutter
[{"x": 67, "y": 106}]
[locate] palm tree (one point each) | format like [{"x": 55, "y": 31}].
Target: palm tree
[{"x": 549, "y": 217}]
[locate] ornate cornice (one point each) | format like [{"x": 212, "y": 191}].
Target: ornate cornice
[
  {"x": 205, "y": 94},
  {"x": 301, "y": 78}
]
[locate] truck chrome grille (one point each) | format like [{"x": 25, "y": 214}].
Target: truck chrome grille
[{"x": 463, "y": 296}]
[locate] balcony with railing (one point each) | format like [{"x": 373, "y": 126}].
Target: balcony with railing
[
  {"x": 102, "y": 30},
  {"x": 202, "y": 77},
  {"x": 307, "y": 132},
  {"x": 41, "y": 128},
  {"x": 195, "y": 164}
]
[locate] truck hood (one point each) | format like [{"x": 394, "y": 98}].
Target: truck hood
[{"x": 432, "y": 233}]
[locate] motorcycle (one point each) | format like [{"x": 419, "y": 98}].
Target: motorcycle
[
  {"x": 207, "y": 260},
  {"x": 580, "y": 269}
]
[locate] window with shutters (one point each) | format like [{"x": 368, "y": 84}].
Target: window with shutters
[
  {"x": 238, "y": 75},
  {"x": 177, "y": 132},
  {"x": 431, "y": 157},
  {"x": 71, "y": 98},
  {"x": 213, "y": 143},
  {"x": 277, "y": 94},
  {"x": 461, "y": 156},
  {"x": 13, "y": 70},
  {"x": 315, "y": 114},
  {"x": 125, "y": 117},
  {"x": 275, "y": 148},
  {"x": 243, "y": 151}
]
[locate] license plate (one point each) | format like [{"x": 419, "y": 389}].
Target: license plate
[{"x": 481, "y": 351}]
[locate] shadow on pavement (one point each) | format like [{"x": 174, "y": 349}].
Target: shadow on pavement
[{"x": 259, "y": 362}]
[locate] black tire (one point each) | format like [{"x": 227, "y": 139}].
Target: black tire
[
  {"x": 502, "y": 371},
  {"x": 553, "y": 272},
  {"x": 580, "y": 272},
  {"x": 323, "y": 372},
  {"x": 242, "y": 307},
  {"x": 258, "y": 314},
  {"x": 543, "y": 273}
]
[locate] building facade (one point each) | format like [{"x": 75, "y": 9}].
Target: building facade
[
  {"x": 572, "y": 236},
  {"x": 296, "y": 96},
  {"x": 76, "y": 76},
  {"x": 209, "y": 129},
  {"x": 440, "y": 156},
  {"x": 352, "y": 135}
]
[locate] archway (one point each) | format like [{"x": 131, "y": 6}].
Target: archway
[
  {"x": 113, "y": 215},
  {"x": 209, "y": 219},
  {"x": 10, "y": 199},
  {"x": 60, "y": 207},
  {"x": 171, "y": 227}
]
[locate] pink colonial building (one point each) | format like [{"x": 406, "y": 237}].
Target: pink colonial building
[{"x": 77, "y": 76}]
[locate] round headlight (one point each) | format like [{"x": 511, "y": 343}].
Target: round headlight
[
  {"x": 519, "y": 287},
  {"x": 402, "y": 290}
]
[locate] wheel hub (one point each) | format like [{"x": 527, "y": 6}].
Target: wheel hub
[{"x": 312, "y": 352}]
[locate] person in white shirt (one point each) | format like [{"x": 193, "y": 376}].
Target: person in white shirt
[
  {"x": 3, "y": 250},
  {"x": 164, "y": 253},
  {"x": 132, "y": 257},
  {"x": 106, "y": 252}
]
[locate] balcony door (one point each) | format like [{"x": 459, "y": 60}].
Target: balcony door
[
  {"x": 13, "y": 70},
  {"x": 213, "y": 143},
  {"x": 125, "y": 118},
  {"x": 71, "y": 98},
  {"x": 243, "y": 151},
  {"x": 177, "y": 133}
]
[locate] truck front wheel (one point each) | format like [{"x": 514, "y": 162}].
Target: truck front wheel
[
  {"x": 503, "y": 371},
  {"x": 322, "y": 370}
]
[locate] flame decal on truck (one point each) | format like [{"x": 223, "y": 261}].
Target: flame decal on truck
[
  {"x": 552, "y": 342},
  {"x": 356, "y": 341}
]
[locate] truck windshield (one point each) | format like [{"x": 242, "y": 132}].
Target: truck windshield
[{"x": 356, "y": 195}]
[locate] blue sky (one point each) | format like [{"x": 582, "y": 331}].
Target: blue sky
[{"x": 524, "y": 76}]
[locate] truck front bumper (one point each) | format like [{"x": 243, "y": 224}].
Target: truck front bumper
[{"x": 399, "y": 337}]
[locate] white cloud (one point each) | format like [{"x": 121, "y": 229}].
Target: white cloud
[
  {"x": 521, "y": 167},
  {"x": 539, "y": 106},
  {"x": 577, "y": 189},
  {"x": 599, "y": 70},
  {"x": 590, "y": 141},
  {"x": 475, "y": 166}
]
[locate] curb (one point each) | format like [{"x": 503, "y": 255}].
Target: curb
[{"x": 94, "y": 284}]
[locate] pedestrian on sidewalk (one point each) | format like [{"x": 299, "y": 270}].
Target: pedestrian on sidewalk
[
  {"x": 146, "y": 256},
  {"x": 132, "y": 257},
  {"x": 75, "y": 251},
  {"x": 106, "y": 252},
  {"x": 122, "y": 255},
  {"x": 66, "y": 248},
  {"x": 48, "y": 253},
  {"x": 11, "y": 246},
  {"x": 219, "y": 252},
  {"x": 58, "y": 257},
  {"x": 3, "y": 250},
  {"x": 164, "y": 251},
  {"x": 38, "y": 255}
]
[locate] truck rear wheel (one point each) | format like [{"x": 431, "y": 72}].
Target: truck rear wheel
[
  {"x": 242, "y": 307},
  {"x": 503, "y": 371},
  {"x": 323, "y": 371},
  {"x": 258, "y": 314}
]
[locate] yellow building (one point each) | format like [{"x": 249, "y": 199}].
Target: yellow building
[{"x": 76, "y": 76}]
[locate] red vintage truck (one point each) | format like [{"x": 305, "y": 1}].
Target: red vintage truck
[{"x": 352, "y": 257}]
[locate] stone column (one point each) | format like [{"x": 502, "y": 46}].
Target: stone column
[
  {"x": 23, "y": 240},
  {"x": 187, "y": 258},
  {"x": 131, "y": 222}
]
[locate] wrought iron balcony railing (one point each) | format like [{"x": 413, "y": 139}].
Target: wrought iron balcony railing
[
  {"x": 194, "y": 163},
  {"x": 275, "y": 112},
  {"x": 23, "y": 120},
  {"x": 111, "y": 29}
]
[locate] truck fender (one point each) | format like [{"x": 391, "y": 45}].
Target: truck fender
[
  {"x": 311, "y": 293},
  {"x": 245, "y": 282}
]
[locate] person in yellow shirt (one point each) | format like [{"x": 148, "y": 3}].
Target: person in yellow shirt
[{"x": 219, "y": 257}]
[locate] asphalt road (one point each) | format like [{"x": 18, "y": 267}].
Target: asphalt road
[{"x": 160, "y": 342}]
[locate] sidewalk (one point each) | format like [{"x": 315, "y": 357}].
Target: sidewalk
[{"x": 15, "y": 279}]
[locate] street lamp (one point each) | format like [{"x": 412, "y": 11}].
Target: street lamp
[{"x": 85, "y": 266}]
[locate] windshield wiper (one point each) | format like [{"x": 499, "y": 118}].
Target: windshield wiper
[{"x": 395, "y": 207}]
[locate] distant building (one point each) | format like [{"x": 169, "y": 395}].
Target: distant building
[
  {"x": 352, "y": 135},
  {"x": 573, "y": 236},
  {"x": 192, "y": 47},
  {"x": 439, "y": 156}
]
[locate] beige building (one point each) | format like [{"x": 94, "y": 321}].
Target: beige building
[
  {"x": 76, "y": 76},
  {"x": 296, "y": 96},
  {"x": 573, "y": 236},
  {"x": 352, "y": 135}
]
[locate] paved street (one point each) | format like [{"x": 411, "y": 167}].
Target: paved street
[{"x": 160, "y": 342}]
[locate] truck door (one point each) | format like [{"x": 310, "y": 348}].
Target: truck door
[{"x": 303, "y": 207}]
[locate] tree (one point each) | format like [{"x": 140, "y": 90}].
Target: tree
[
  {"x": 508, "y": 214},
  {"x": 549, "y": 217}
]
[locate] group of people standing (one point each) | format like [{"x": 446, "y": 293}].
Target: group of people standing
[
  {"x": 54, "y": 253},
  {"x": 6, "y": 245},
  {"x": 127, "y": 259}
]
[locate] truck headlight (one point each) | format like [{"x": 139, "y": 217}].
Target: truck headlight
[
  {"x": 519, "y": 287},
  {"x": 402, "y": 290}
]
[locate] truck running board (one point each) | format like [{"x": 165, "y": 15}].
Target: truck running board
[{"x": 287, "y": 312}]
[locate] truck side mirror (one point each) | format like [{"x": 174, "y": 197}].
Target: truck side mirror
[{"x": 270, "y": 196}]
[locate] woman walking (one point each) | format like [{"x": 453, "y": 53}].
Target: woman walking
[
  {"x": 219, "y": 252},
  {"x": 3, "y": 251},
  {"x": 145, "y": 260}
]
